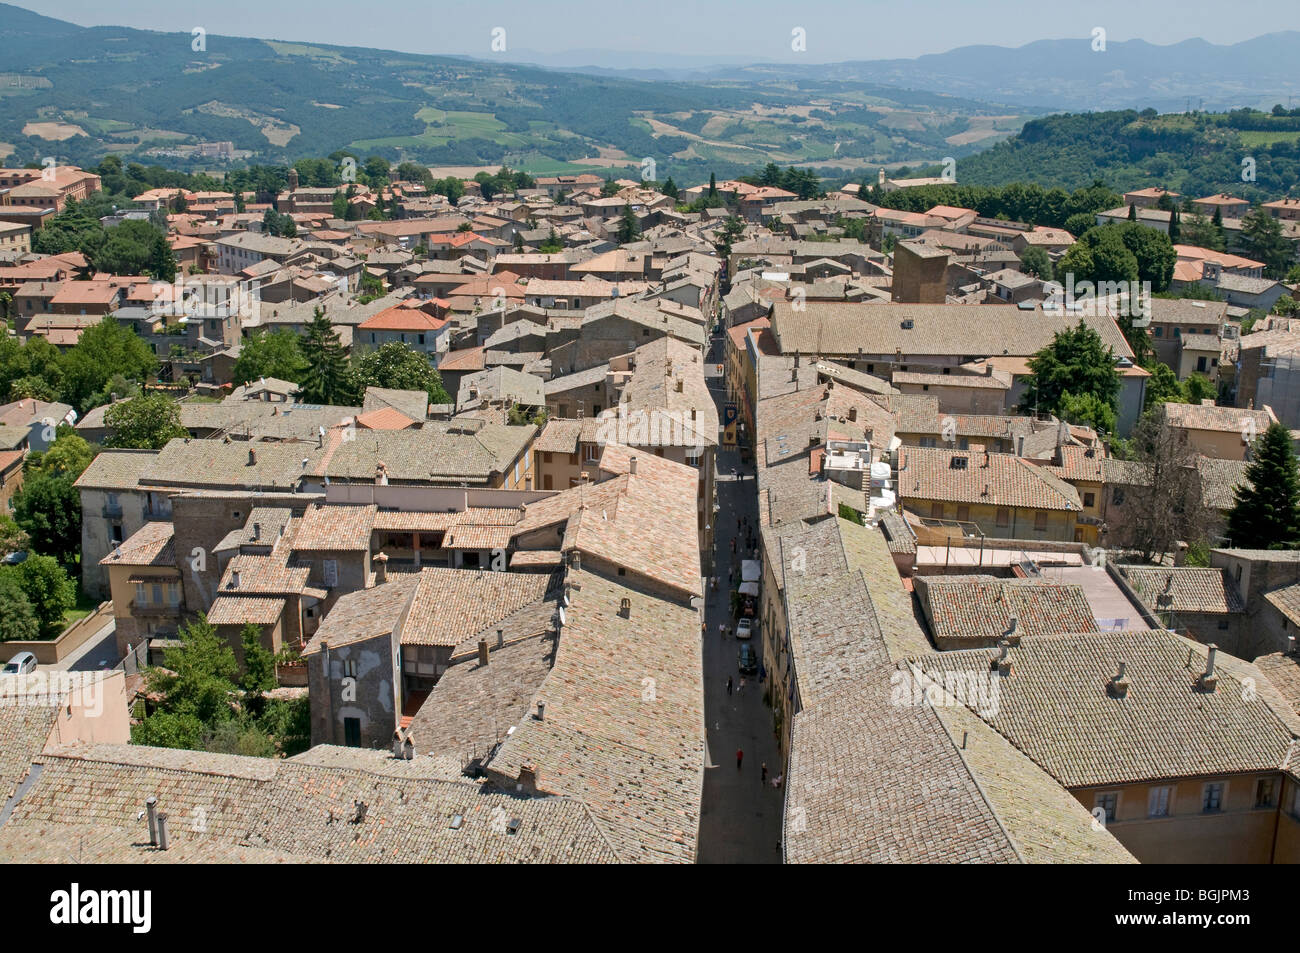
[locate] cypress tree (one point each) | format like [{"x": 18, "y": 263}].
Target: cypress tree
[{"x": 1266, "y": 509}]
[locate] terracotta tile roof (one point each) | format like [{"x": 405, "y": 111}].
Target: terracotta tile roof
[
  {"x": 262, "y": 575},
  {"x": 334, "y": 527},
  {"x": 944, "y": 789},
  {"x": 977, "y": 610},
  {"x": 1184, "y": 589},
  {"x": 238, "y": 610},
  {"x": 1007, "y": 480},
  {"x": 559, "y": 436},
  {"x": 385, "y": 418},
  {"x": 260, "y": 809},
  {"x": 150, "y": 545},
  {"x": 1057, "y": 709},
  {"x": 449, "y": 604},
  {"x": 624, "y": 720}
]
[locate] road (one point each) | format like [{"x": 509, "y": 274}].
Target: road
[{"x": 740, "y": 816}]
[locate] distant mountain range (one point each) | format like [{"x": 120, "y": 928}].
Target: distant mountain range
[
  {"x": 76, "y": 93},
  {"x": 1061, "y": 74}
]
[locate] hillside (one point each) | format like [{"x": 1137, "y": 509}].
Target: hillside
[
  {"x": 150, "y": 96},
  {"x": 1069, "y": 74},
  {"x": 1196, "y": 154}
]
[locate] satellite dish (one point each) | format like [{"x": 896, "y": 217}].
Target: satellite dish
[{"x": 563, "y": 616}]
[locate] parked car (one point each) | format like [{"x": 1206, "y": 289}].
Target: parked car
[
  {"x": 744, "y": 628},
  {"x": 747, "y": 659},
  {"x": 13, "y": 559},
  {"x": 20, "y": 664}
]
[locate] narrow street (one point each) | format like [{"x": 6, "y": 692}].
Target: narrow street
[{"x": 740, "y": 816}]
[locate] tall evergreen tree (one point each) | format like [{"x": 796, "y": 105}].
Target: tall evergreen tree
[
  {"x": 628, "y": 227},
  {"x": 1175, "y": 228},
  {"x": 1266, "y": 510},
  {"x": 326, "y": 379},
  {"x": 713, "y": 185}
]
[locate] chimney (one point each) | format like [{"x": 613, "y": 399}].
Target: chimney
[
  {"x": 252, "y": 457},
  {"x": 482, "y": 652},
  {"x": 1020, "y": 445},
  {"x": 501, "y": 638},
  {"x": 1010, "y": 635},
  {"x": 1290, "y": 645},
  {"x": 1002, "y": 664},
  {"x": 1208, "y": 679},
  {"x": 381, "y": 568},
  {"x": 679, "y": 385},
  {"x": 527, "y": 778},
  {"x": 162, "y": 832},
  {"x": 1118, "y": 685},
  {"x": 257, "y": 531},
  {"x": 234, "y": 579},
  {"x": 541, "y": 711},
  {"x": 631, "y": 466},
  {"x": 151, "y": 809},
  {"x": 625, "y": 608}
]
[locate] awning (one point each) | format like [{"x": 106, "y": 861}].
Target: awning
[
  {"x": 750, "y": 571},
  {"x": 749, "y": 589}
]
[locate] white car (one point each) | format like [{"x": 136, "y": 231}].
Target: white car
[
  {"x": 744, "y": 628},
  {"x": 20, "y": 664}
]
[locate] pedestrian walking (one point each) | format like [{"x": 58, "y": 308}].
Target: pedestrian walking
[
  {"x": 722, "y": 630},
  {"x": 763, "y": 777},
  {"x": 742, "y": 685},
  {"x": 740, "y": 756},
  {"x": 704, "y": 628},
  {"x": 733, "y": 545},
  {"x": 728, "y": 684}
]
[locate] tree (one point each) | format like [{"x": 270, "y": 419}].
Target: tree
[
  {"x": 1175, "y": 229},
  {"x": 1132, "y": 213},
  {"x": 269, "y": 354},
  {"x": 1077, "y": 363},
  {"x": 628, "y": 227},
  {"x": 137, "y": 247},
  {"x": 147, "y": 422},
  {"x": 1037, "y": 263},
  {"x": 12, "y": 537},
  {"x": 18, "y": 620},
  {"x": 1261, "y": 234},
  {"x": 1162, "y": 385},
  {"x": 199, "y": 674},
  {"x": 68, "y": 455},
  {"x": 713, "y": 185},
  {"x": 259, "y": 664},
  {"x": 1266, "y": 508},
  {"x": 104, "y": 349},
  {"x": 48, "y": 509},
  {"x": 325, "y": 379},
  {"x": 1087, "y": 410},
  {"x": 669, "y": 188},
  {"x": 1165, "y": 504},
  {"x": 48, "y": 589},
  {"x": 1200, "y": 232},
  {"x": 397, "y": 366}
]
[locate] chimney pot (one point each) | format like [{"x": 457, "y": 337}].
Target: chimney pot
[
  {"x": 1208, "y": 679},
  {"x": 482, "y": 652},
  {"x": 252, "y": 457},
  {"x": 151, "y": 809},
  {"x": 162, "y": 832}
]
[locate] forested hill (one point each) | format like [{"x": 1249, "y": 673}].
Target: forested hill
[
  {"x": 78, "y": 93},
  {"x": 1193, "y": 153}
]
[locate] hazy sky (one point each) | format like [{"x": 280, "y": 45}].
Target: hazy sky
[{"x": 756, "y": 30}]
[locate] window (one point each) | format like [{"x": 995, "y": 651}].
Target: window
[
  {"x": 936, "y": 511},
  {"x": 1089, "y": 499},
  {"x": 140, "y": 594},
  {"x": 115, "y": 533},
  {"x": 1109, "y": 801},
  {"x": 1004, "y": 516},
  {"x": 546, "y": 457},
  {"x": 330, "y": 572},
  {"x": 1293, "y": 802},
  {"x": 1117, "y": 497},
  {"x": 1160, "y": 332},
  {"x": 1158, "y": 801},
  {"x": 1040, "y": 522},
  {"x": 1266, "y": 793},
  {"x": 349, "y": 668},
  {"x": 352, "y": 732},
  {"x": 963, "y": 514},
  {"x": 1212, "y": 798}
]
